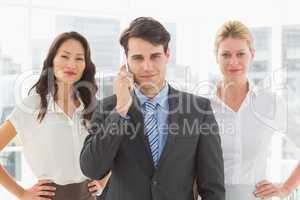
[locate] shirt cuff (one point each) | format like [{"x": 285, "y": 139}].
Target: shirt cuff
[
  {"x": 99, "y": 192},
  {"x": 123, "y": 118}
]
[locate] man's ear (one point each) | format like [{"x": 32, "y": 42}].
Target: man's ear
[{"x": 168, "y": 53}]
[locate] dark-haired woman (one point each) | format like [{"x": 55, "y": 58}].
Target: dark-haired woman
[{"x": 51, "y": 122}]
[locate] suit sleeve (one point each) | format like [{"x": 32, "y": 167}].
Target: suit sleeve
[
  {"x": 210, "y": 165},
  {"x": 102, "y": 144}
]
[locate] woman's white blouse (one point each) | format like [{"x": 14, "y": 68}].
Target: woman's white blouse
[
  {"x": 52, "y": 147},
  {"x": 246, "y": 135}
]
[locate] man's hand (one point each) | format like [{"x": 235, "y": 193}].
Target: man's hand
[
  {"x": 123, "y": 86},
  {"x": 97, "y": 186}
]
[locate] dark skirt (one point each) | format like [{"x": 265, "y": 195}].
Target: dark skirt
[{"x": 75, "y": 191}]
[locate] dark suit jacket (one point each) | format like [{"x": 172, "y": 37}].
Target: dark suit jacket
[{"x": 192, "y": 152}]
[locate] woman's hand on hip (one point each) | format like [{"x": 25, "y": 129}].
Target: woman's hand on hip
[
  {"x": 266, "y": 189},
  {"x": 39, "y": 191}
]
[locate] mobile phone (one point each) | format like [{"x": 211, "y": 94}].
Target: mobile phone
[
  {"x": 125, "y": 61},
  {"x": 126, "y": 64}
]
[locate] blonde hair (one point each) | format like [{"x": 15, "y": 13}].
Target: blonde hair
[{"x": 236, "y": 30}]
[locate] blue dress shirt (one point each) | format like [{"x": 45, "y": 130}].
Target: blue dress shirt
[{"x": 161, "y": 99}]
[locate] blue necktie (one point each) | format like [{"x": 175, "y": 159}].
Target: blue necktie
[{"x": 151, "y": 129}]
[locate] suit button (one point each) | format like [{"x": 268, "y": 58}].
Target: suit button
[{"x": 154, "y": 183}]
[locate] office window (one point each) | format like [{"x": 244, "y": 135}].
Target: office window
[
  {"x": 13, "y": 58},
  {"x": 13, "y": 2},
  {"x": 261, "y": 65},
  {"x": 108, "y": 7},
  {"x": 29, "y": 26},
  {"x": 291, "y": 59}
]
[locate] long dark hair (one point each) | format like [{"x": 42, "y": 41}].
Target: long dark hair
[{"x": 85, "y": 88}]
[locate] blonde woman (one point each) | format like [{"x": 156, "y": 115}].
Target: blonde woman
[{"x": 248, "y": 117}]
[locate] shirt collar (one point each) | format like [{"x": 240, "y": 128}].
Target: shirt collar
[
  {"x": 161, "y": 98},
  {"x": 54, "y": 107},
  {"x": 253, "y": 89}
]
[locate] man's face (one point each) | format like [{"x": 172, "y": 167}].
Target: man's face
[{"x": 147, "y": 63}]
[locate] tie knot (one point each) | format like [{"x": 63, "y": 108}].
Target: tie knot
[{"x": 150, "y": 106}]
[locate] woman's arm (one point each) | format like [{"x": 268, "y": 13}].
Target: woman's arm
[
  {"x": 267, "y": 189},
  {"x": 7, "y": 133}
]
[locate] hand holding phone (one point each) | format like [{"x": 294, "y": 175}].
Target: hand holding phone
[{"x": 123, "y": 87}]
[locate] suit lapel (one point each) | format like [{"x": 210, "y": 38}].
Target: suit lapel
[
  {"x": 141, "y": 148},
  {"x": 173, "y": 119}
]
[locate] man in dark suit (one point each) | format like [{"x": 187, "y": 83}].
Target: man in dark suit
[{"x": 154, "y": 139}]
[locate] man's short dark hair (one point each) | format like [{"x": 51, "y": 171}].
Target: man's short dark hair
[{"x": 147, "y": 29}]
